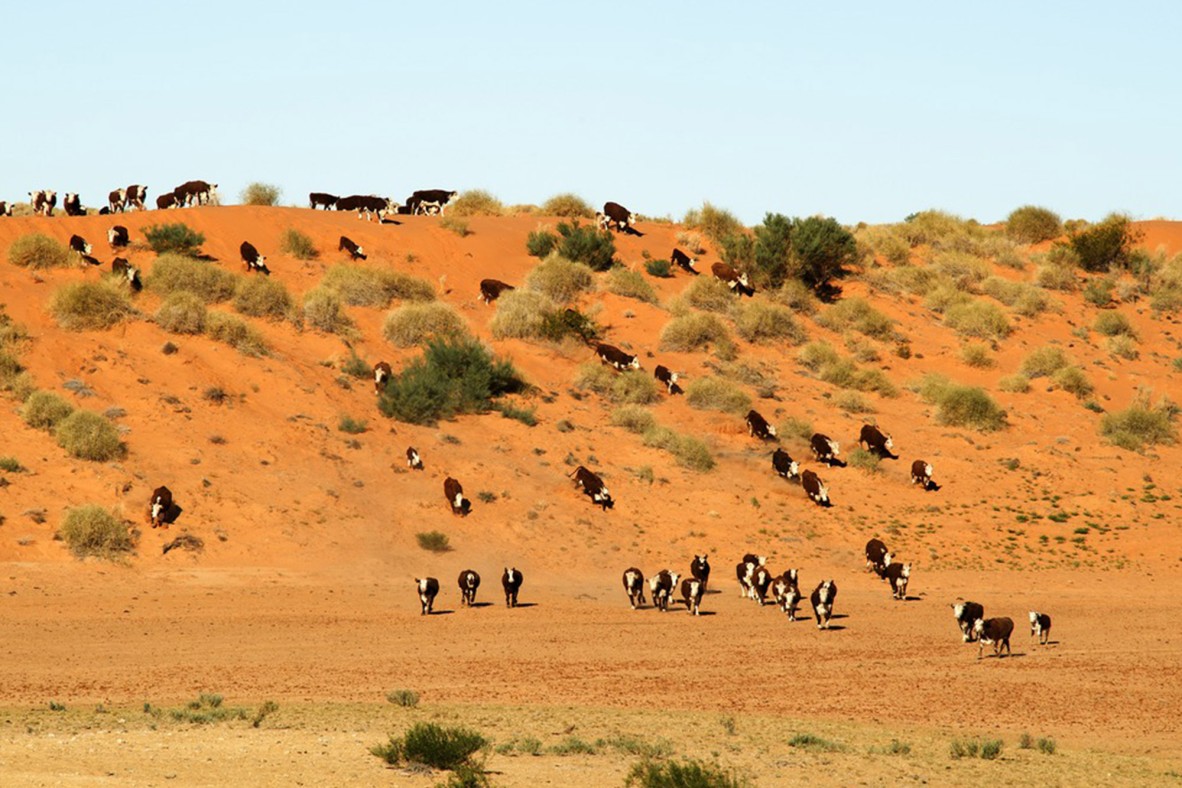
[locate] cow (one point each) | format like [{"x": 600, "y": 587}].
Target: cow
[
  {"x": 661, "y": 587},
  {"x": 668, "y": 378},
  {"x": 195, "y": 193},
  {"x": 593, "y": 486},
  {"x": 252, "y": 259},
  {"x": 5, "y": 208},
  {"x": 469, "y": 581},
  {"x": 745, "y": 573},
  {"x": 784, "y": 465},
  {"x": 824, "y": 449},
  {"x": 876, "y": 551},
  {"x": 381, "y": 374},
  {"x": 996, "y": 631},
  {"x": 454, "y": 492},
  {"x": 118, "y": 237},
  {"x": 158, "y": 507},
  {"x": 684, "y": 261},
  {"x": 700, "y": 569},
  {"x": 898, "y": 575},
  {"x": 758, "y": 427},
  {"x": 786, "y": 591},
  {"x": 613, "y": 356},
  {"x": 734, "y": 280},
  {"x": 634, "y": 586},
  {"x": 126, "y": 271},
  {"x": 413, "y": 460},
  {"x": 428, "y": 588},
  {"x": 116, "y": 201},
  {"x": 136, "y": 195},
  {"x": 761, "y": 580},
  {"x": 491, "y": 289},
  {"x": 877, "y": 442},
  {"x": 511, "y": 582},
  {"x": 691, "y": 591},
  {"x": 43, "y": 202},
  {"x": 618, "y": 216},
  {"x": 168, "y": 200},
  {"x": 815, "y": 489},
  {"x": 328, "y": 201},
  {"x": 921, "y": 473},
  {"x": 346, "y": 245},
  {"x": 822, "y": 598},
  {"x": 1040, "y": 627},
  {"x": 366, "y": 205},
  {"x": 78, "y": 244},
  {"x": 72, "y": 205},
  {"x": 966, "y": 613},
  {"x": 418, "y": 201}
]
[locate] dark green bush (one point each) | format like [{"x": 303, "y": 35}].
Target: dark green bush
[
  {"x": 557, "y": 325},
  {"x": 772, "y": 248},
  {"x": 738, "y": 251},
  {"x": 587, "y": 244},
  {"x": 1031, "y": 224},
  {"x": 962, "y": 406},
  {"x": 38, "y": 251},
  {"x": 540, "y": 243},
  {"x": 298, "y": 245},
  {"x": 88, "y": 436},
  {"x": 821, "y": 249},
  {"x": 178, "y": 238},
  {"x": 351, "y": 425},
  {"x": 92, "y": 530},
  {"x": 1105, "y": 245},
  {"x": 433, "y": 541},
  {"x": 658, "y": 268},
  {"x": 453, "y": 376},
  {"x": 432, "y": 745}
]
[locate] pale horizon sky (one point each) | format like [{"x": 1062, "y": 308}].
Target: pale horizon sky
[{"x": 862, "y": 111}]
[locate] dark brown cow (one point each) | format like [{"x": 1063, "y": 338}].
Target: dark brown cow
[
  {"x": 593, "y": 486},
  {"x": 876, "y": 553},
  {"x": 347, "y": 245},
  {"x": 491, "y": 289},
  {"x": 822, "y": 598},
  {"x": 784, "y": 465},
  {"x": 195, "y": 193},
  {"x": 668, "y": 378},
  {"x": 159, "y": 507},
  {"x": 786, "y": 591},
  {"x": 116, "y": 201},
  {"x": 5, "y": 208},
  {"x": 758, "y": 427},
  {"x": 691, "y": 591},
  {"x": 877, "y": 442},
  {"x": 745, "y": 573},
  {"x": 136, "y": 195},
  {"x": 168, "y": 200},
  {"x": 366, "y": 205},
  {"x": 78, "y": 244},
  {"x": 43, "y": 202},
  {"x": 684, "y": 261},
  {"x": 118, "y": 237},
  {"x": 921, "y": 473},
  {"x": 327, "y": 201},
  {"x": 72, "y": 205},
  {"x": 700, "y": 569},
  {"x": 634, "y": 586},
  {"x": 413, "y": 459},
  {"x": 127, "y": 272},
  {"x": 381, "y": 374},
  {"x": 815, "y": 489},
  {"x": 734, "y": 280},
  {"x": 1040, "y": 627},
  {"x": 454, "y": 492},
  {"x": 966, "y": 614},
  {"x": 898, "y": 575},
  {"x": 511, "y": 582},
  {"x": 617, "y": 216},
  {"x": 661, "y": 587},
  {"x": 824, "y": 448},
  {"x": 469, "y": 581},
  {"x": 252, "y": 259},
  {"x": 761, "y": 580},
  {"x": 996, "y": 631},
  {"x": 428, "y": 588}
]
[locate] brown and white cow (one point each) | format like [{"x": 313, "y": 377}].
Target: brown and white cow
[
  {"x": 921, "y": 473},
  {"x": 78, "y": 244},
  {"x": 661, "y": 587},
  {"x": 128, "y": 273},
  {"x": 118, "y": 237},
  {"x": 159, "y": 507},
  {"x": 784, "y": 465},
  {"x": 347, "y": 245},
  {"x": 757, "y": 426},
  {"x": 822, "y": 598},
  {"x": 511, "y": 580},
  {"x": 966, "y": 614},
  {"x": 877, "y": 442},
  {"x": 786, "y": 591},
  {"x": 323, "y": 199},
  {"x": 5, "y": 208},
  {"x": 617, "y": 216},
  {"x": 700, "y": 568},
  {"x": 691, "y": 592},
  {"x": 614, "y": 357},
  {"x": 72, "y": 205},
  {"x": 761, "y": 581},
  {"x": 634, "y": 586},
  {"x": 877, "y": 556},
  {"x": 468, "y": 581},
  {"x": 667, "y": 378},
  {"x": 167, "y": 200},
  {"x": 745, "y": 573},
  {"x": 996, "y": 631},
  {"x": 136, "y": 195},
  {"x": 824, "y": 448},
  {"x": 116, "y": 201},
  {"x": 593, "y": 486},
  {"x": 381, "y": 374},
  {"x": 454, "y": 492},
  {"x": 43, "y": 202},
  {"x": 1040, "y": 627},
  {"x": 428, "y": 588},
  {"x": 252, "y": 259},
  {"x": 815, "y": 489},
  {"x": 413, "y": 460},
  {"x": 684, "y": 261},
  {"x": 898, "y": 575},
  {"x": 195, "y": 193},
  {"x": 736, "y": 281},
  {"x": 366, "y": 205},
  {"x": 491, "y": 289}
]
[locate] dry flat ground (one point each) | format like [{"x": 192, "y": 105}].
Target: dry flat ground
[{"x": 303, "y": 594}]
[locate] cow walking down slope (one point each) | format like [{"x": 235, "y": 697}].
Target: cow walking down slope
[{"x": 593, "y": 486}]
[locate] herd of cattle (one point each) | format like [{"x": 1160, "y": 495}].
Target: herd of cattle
[{"x": 43, "y": 202}]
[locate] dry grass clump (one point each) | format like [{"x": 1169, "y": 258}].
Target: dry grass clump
[
  {"x": 1122, "y": 346},
  {"x": 182, "y": 312},
  {"x": 816, "y": 355},
  {"x": 93, "y": 531},
  {"x": 695, "y": 331},
  {"x": 297, "y": 245},
  {"x": 631, "y": 284},
  {"x": 795, "y": 295},
  {"x": 1141, "y": 424},
  {"x": 456, "y": 225},
  {"x": 175, "y": 272},
  {"x": 262, "y": 296},
  {"x": 633, "y": 418},
  {"x": 965, "y": 270},
  {"x": 1057, "y": 276},
  {"x": 853, "y": 402},
  {"x": 711, "y": 393},
  {"x": 521, "y": 314},
  {"x": 417, "y": 324},
  {"x": 634, "y": 387},
  {"x": 1044, "y": 362},
  {"x": 38, "y": 251},
  {"x": 260, "y": 194},
  {"x": 359, "y": 285},
  {"x": 559, "y": 279},
  {"x": 1025, "y": 299},
  {"x": 944, "y": 295},
  {"x": 690, "y": 452},
  {"x": 710, "y": 294},
  {"x": 1112, "y": 324},
  {"x": 568, "y": 206},
  {"x": 43, "y": 410},
  {"x": 962, "y": 406},
  {"x": 88, "y": 436},
  {"x": 858, "y": 315},
  {"x": 830, "y": 367},
  {"x": 1072, "y": 380},
  {"x": 977, "y": 319},
  {"x": 715, "y": 223},
  {"x": 759, "y": 321},
  {"x": 324, "y": 310},
  {"x": 1014, "y": 384},
  {"x": 234, "y": 331},
  {"x": 885, "y": 241},
  {"x": 976, "y": 354},
  {"x": 475, "y": 202},
  {"x": 911, "y": 279},
  {"x": 81, "y": 306},
  {"x": 1032, "y": 224}
]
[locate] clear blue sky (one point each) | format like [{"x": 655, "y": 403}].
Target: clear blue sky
[{"x": 863, "y": 111}]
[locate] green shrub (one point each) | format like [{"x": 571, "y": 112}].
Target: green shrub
[
  {"x": 760, "y": 321},
  {"x": 520, "y": 314},
  {"x": 433, "y": 541},
  {"x": 695, "y": 331},
  {"x": 1031, "y": 224},
  {"x": 417, "y": 324},
  {"x": 298, "y": 245},
  {"x": 858, "y": 315},
  {"x": 816, "y": 355},
  {"x": 976, "y": 354},
  {"x": 711, "y": 393},
  {"x": 568, "y": 206},
  {"x": 689, "y": 452},
  {"x": 1053, "y": 276},
  {"x": 560, "y": 279},
  {"x": 1098, "y": 291},
  {"x": 710, "y": 294},
  {"x": 182, "y": 313},
  {"x": 262, "y": 296},
  {"x": 323, "y": 310},
  {"x": 962, "y": 406},
  {"x": 738, "y": 251},
  {"x": 1045, "y": 361},
  {"x": 1025, "y": 299},
  {"x": 1047, "y": 746},
  {"x": 795, "y": 295},
  {"x": 93, "y": 531},
  {"x": 1072, "y": 380},
  {"x": 846, "y": 374},
  {"x": 453, "y": 376},
  {"x": 658, "y": 268},
  {"x": 1015, "y": 384},
  {"x": 714, "y": 223},
  {"x": 432, "y": 745},
  {"x": 43, "y": 410},
  {"x": 965, "y": 270},
  {"x": 633, "y": 418},
  {"x": 81, "y": 306},
  {"x": 1112, "y": 324},
  {"x": 351, "y": 425},
  {"x": 233, "y": 331},
  {"x": 559, "y": 324},
  {"x": 821, "y": 248},
  {"x": 260, "y": 194},
  {"x": 867, "y": 461},
  {"x": 176, "y": 238},
  {"x": 1105, "y": 245},
  {"x": 682, "y": 774},
  {"x": 38, "y": 251},
  {"x": 173, "y": 273},
  {"x": 852, "y": 402},
  {"x": 355, "y": 366},
  {"x": 405, "y": 698},
  {"x": 10, "y": 369},
  {"x": 974, "y": 748},
  {"x": 1141, "y": 424},
  {"x": 589, "y": 245},
  {"x": 945, "y": 295},
  {"x": 88, "y": 436},
  {"x": 456, "y": 225},
  {"x": 630, "y": 284},
  {"x": 634, "y": 387},
  {"x": 527, "y": 416},
  {"x": 540, "y": 243},
  {"x": 977, "y": 319},
  {"x": 475, "y": 202}
]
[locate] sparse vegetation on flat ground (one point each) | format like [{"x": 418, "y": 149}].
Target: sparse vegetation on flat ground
[
  {"x": 433, "y": 541},
  {"x": 432, "y": 745}
]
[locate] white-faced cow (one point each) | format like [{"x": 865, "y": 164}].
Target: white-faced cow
[
  {"x": 252, "y": 259},
  {"x": 428, "y": 588},
  {"x": 823, "y": 597},
  {"x": 966, "y": 614},
  {"x": 454, "y": 492},
  {"x": 136, "y": 195},
  {"x": 786, "y": 590},
  {"x": 824, "y": 449},
  {"x": 424, "y": 200},
  {"x": 593, "y": 486},
  {"x": 491, "y": 289},
  {"x": 815, "y": 489},
  {"x": 700, "y": 569},
  {"x": 684, "y": 261},
  {"x": 118, "y": 237},
  {"x": 661, "y": 587},
  {"x": 511, "y": 582},
  {"x": 72, "y": 205},
  {"x": 618, "y": 216},
  {"x": 43, "y": 202},
  {"x": 757, "y": 426},
  {"x": 761, "y": 581},
  {"x": 116, "y": 201},
  {"x": 159, "y": 506},
  {"x": 323, "y": 199},
  {"x": 366, "y": 205},
  {"x": 168, "y": 200},
  {"x": 784, "y": 465},
  {"x": 78, "y": 244},
  {"x": 1040, "y": 627},
  {"x": 898, "y": 575},
  {"x": 614, "y": 357},
  {"x": 469, "y": 581},
  {"x": 5, "y": 208},
  {"x": 996, "y": 631},
  {"x": 381, "y": 374},
  {"x": 128, "y": 273},
  {"x": 413, "y": 460},
  {"x": 921, "y": 473},
  {"x": 667, "y": 378},
  {"x": 195, "y": 193},
  {"x": 634, "y": 586},
  {"x": 745, "y": 573},
  {"x": 877, "y": 442},
  {"x": 876, "y": 551},
  {"x": 734, "y": 280},
  {"x": 354, "y": 251},
  {"x": 691, "y": 591}
]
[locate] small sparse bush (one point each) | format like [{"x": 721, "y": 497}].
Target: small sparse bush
[
  {"x": 351, "y": 425},
  {"x": 1112, "y": 324},
  {"x": 182, "y": 312},
  {"x": 173, "y": 273},
  {"x": 856, "y": 314},
  {"x": 559, "y": 279},
  {"x": 1072, "y": 380},
  {"x": 358, "y": 285},
  {"x": 867, "y": 461},
  {"x": 262, "y": 296},
  {"x": 1014, "y": 384},
  {"x": 1044, "y": 362},
  {"x": 1141, "y": 424},
  {"x": 1122, "y": 346},
  {"x": 852, "y": 402},
  {"x": 540, "y": 243},
  {"x": 1098, "y": 291},
  {"x": 974, "y": 748},
  {"x": 520, "y": 314},
  {"x": 633, "y": 418},
  {"x": 453, "y": 376},
  {"x": 81, "y": 306},
  {"x": 11, "y": 465},
  {"x": 93, "y": 531},
  {"x": 962, "y": 406},
  {"x": 176, "y": 238},
  {"x": 417, "y": 324},
  {"x": 475, "y": 202},
  {"x": 807, "y": 741},
  {"x": 405, "y": 698},
  {"x": 1047, "y": 746},
  {"x": 527, "y": 416},
  {"x": 1032, "y": 224},
  {"x": 715, "y": 223},
  {"x": 435, "y": 541},
  {"x": 44, "y": 409},
  {"x": 710, "y": 294},
  {"x": 630, "y": 284},
  {"x": 976, "y": 354},
  {"x": 682, "y": 774},
  {"x": 711, "y": 393},
  {"x": 260, "y": 194},
  {"x": 297, "y": 245},
  {"x": 816, "y": 355},
  {"x": 323, "y": 310},
  {"x": 38, "y": 252},
  {"x": 977, "y": 319},
  {"x": 456, "y": 225},
  {"x": 88, "y": 436},
  {"x": 432, "y": 745},
  {"x": 658, "y": 268},
  {"x": 568, "y": 206},
  {"x": 234, "y": 331},
  {"x": 588, "y": 245},
  {"x": 760, "y": 321},
  {"x": 793, "y": 427},
  {"x": 991, "y": 749},
  {"x": 695, "y": 331}
]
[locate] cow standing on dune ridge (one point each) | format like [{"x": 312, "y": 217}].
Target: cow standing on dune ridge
[{"x": 324, "y": 200}]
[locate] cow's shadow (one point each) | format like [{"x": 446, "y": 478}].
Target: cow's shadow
[
  {"x": 171, "y": 514},
  {"x": 833, "y": 462},
  {"x": 912, "y": 599},
  {"x": 481, "y": 604},
  {"x": 630, "y": 230},
  {"x": 707, "y": 612},
  {"x": 883, "y": 454},
  {"x": 441, "y": 612},
  {"x": 526, "y": 604},
  {"x": 675, "y": 389},
  {"x": 835, "y": 628},
  {"x": 389, "y": 221},
  {"x": 931, "y": 487}
]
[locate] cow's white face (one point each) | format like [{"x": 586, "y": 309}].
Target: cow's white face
[
  {"x": 49, "y": 195},
  {"x": 906, "y": 572},
  {"x": 833, "y": 447},
  {"x": 635, "y": 363},
  {"x": 979, "y": 630},
  {"x": 674, "y": 578},
  {"x": 743, "y": 280},
  {"x": 71, "y": 197},
  {"x": 958, "y": 610},
  {"x": 771, "y": 430},
  {"x": 887, "y": 558},
  {"x": 927, "y": 469},
  {"x": 823, "y": 494},
  {"x": 793, "y": 468},
  {"x": 890, "y": 444},
  {"x": 422, "y": 584},
  {"x": 459, "y": 504}
]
